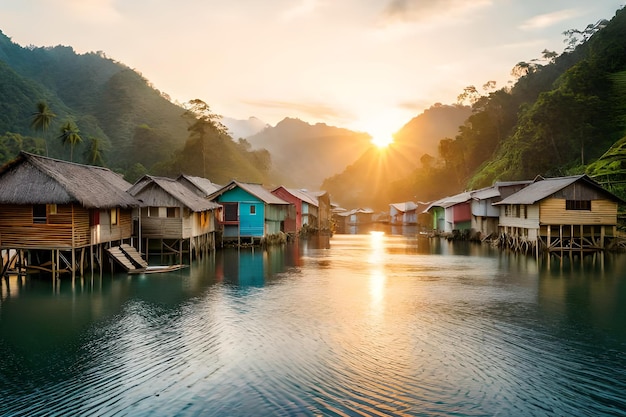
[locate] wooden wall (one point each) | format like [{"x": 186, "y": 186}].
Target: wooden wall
[
  {"x": 602, "y": 212},
  {"x": 18, "y": 231},
  {"x": 68, "y": 228}
]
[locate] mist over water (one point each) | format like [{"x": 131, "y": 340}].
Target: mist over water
[{"x": 372, "y": 324}]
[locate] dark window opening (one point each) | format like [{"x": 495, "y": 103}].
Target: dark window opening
[
  {"x": 172, "y": 212},
  {"x": 231, "y": 212},
  {"x": 577, "y": 204},
  {"x": 39, "y": 214}
]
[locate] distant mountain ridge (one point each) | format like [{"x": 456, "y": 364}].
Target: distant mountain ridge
[
  {"x": 244, "y": 128},
  {"x": 303, "y": 155}
]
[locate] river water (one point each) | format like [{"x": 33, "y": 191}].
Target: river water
[{"x": 356, "y": 325}]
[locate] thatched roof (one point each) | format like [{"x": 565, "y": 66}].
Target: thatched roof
[
  {"x": 169, "y": 190},
  {"x": 35, "y": 179}
]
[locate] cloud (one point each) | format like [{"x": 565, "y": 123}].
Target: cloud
[
  {"x": 419, "y": 10},
  {"x": 300, "y": 9},
  {"x": 315, "y": 110},
  {"x": 549, "y": 19}
]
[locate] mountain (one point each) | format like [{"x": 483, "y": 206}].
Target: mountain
[
  {"x": 243, "y": 128},
  {"x": 422, "y": 134},
  {"x": 304, "y": 154}
]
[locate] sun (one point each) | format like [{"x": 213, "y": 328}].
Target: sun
[{"x": 382, "y": 141}]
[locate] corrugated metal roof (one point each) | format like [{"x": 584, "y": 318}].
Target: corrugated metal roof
[
  {"x": 203, "y": 184},
  {"x": 256, "y": 190},
  {"x": 304, "y": 196},
  {"x": 35, "y": 179},
  {"x": 404, "y": 207},
  {"x": 485, "y": 193},
  {"x": 544, "y": 188},
  {"x": 176, "y": 190}
]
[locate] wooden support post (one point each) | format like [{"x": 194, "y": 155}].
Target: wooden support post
[
  {"x": 602, "y": 237},
  {"x": 73, "y": 264},
  {"x": 549, "y": 237},
  {"x": 581, "y": 241}
]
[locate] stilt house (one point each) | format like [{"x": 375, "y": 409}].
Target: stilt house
[
  {"x": 451, "y": 213},
  {"x": 403, "y": 213},
  {"x": 486, "y": 216},
  {"x": 312, "y": 209},
  {"x": 559, "y": 214},
  {"x": 175, "y": 216},
  {"x": 250, "y": 212},
  {"x": 54, "y": 210}
]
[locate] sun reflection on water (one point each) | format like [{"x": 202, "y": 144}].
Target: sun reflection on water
[{"x": 377, "y": 272}]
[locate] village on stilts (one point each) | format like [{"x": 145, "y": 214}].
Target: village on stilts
[{"x": 59, "y": 217}]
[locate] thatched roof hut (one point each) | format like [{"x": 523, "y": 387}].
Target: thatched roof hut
[{"x": 35, "y": 179}]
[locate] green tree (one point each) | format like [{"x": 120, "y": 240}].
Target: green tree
[
  {"x": 70, "y": 134},
  {"x": 94, "y": 152},
  {"x": 41, "y": 120},
  {"x": 203, "y": 125}
]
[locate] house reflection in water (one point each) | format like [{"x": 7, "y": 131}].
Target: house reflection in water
[{"x": 257, "y": 267}]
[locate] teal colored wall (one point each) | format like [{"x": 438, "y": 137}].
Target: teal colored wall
[{"x": 250, "y": 225}]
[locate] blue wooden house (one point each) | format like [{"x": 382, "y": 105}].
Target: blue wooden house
[{"x": 250, "y": 212}]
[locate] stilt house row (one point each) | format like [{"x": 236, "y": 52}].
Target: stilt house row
[
  {"x": 554, "y": 213},
  {"x": 60, "y": 209}
]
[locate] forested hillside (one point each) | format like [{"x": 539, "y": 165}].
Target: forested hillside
[
  {"x": 122, "y": 121},
  {"x": 560, "y": 116}
]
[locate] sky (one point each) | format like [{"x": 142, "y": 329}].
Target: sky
[{"x": 365, "y": 65}]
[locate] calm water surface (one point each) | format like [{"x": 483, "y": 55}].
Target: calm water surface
[{"x": 358, "y": 325}]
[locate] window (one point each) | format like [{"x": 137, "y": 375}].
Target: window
[
  {"x": 94, "y": 218},
  {"x": 252, "y": 209},
  {"x": 577, "y": 204},
  {"x": 114, "y": 216},
  {"x": 39, "y": 214},
  {"x": 172, "y": 212},
  {"x": 52, "y": 208},
  {"x": 231, "y": 212},
  {"x": 153, "y": 212}
]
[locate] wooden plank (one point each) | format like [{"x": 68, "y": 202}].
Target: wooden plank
[
  {"x": 120, "y": 257},
  {"x": 134, "y": 256}
]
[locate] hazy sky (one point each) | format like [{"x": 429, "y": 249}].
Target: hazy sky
[{"x": 362, "y": 64}]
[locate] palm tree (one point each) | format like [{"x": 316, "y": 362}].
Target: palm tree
[
  {"x": 94, "y": 152},
  {"x": 41, "y": 120},
  {"x": 70, "y": 134}
]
